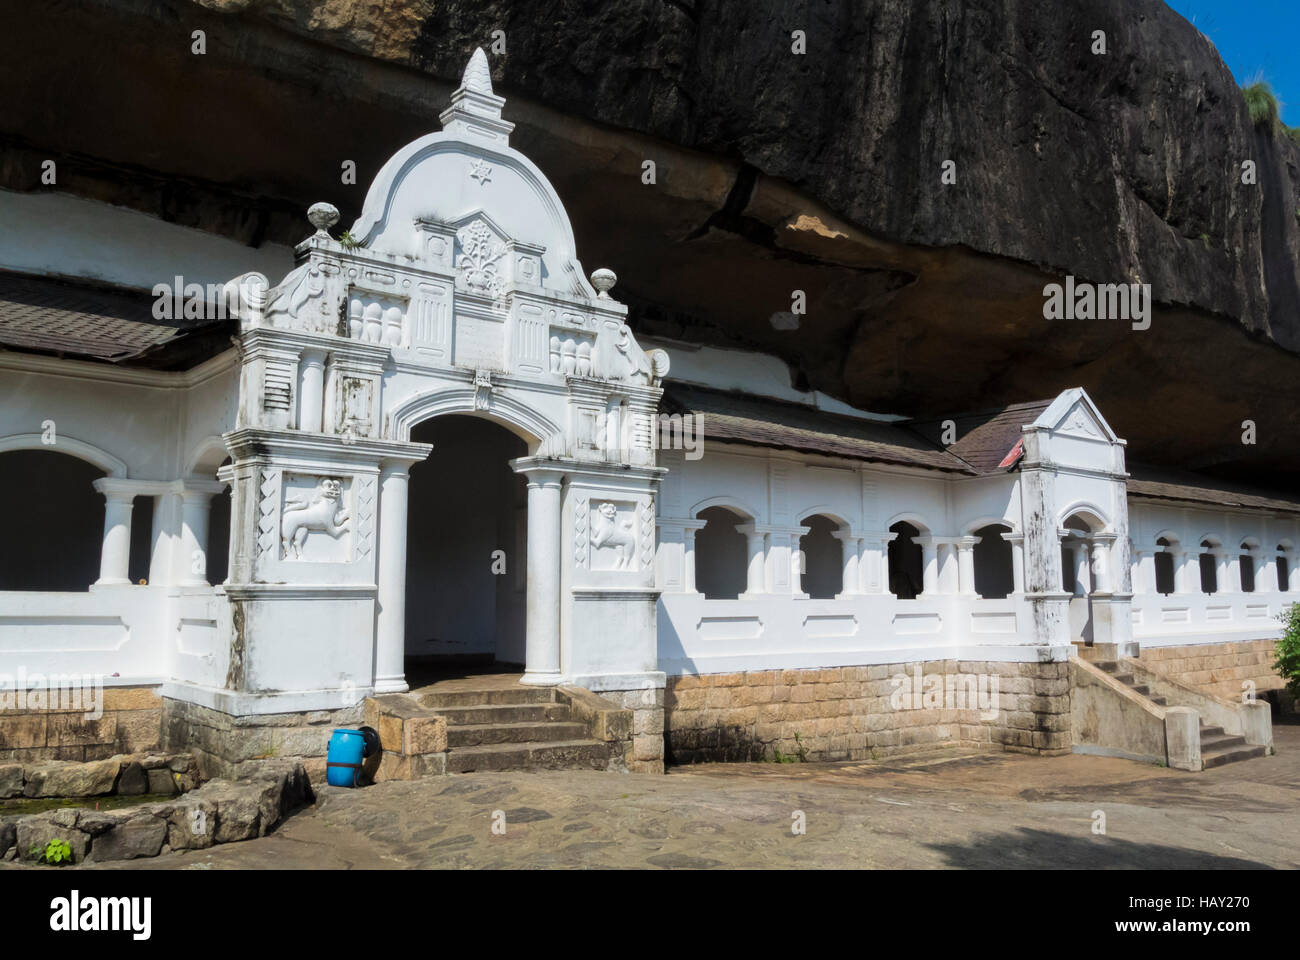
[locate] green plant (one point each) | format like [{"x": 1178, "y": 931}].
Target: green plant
[
  {"x": 1205, "y": 240},
  {"x": 349, "y": 242},
  {"x": 1262, "y": 104},
  {"x": 56, "y": 852},
  {"x": 799, "y": 756},
  {"x": 1288, "y": 649}
]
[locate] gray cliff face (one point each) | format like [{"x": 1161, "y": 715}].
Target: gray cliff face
[{"x": 775, "y": 173}]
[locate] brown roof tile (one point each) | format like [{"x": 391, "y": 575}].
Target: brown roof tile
[{"x": 742, "y": 418}]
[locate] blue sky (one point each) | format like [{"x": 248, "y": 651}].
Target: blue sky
[{"x": 1254, "y": 36}]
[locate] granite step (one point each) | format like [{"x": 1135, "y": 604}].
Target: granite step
[
  {"x": 487, "y": 697},
  {"x": 1218, "y": 756},
  {"x": 560, "y": 755},
  {"x": 503, "y": 713},
  {"x": 1217, "y": 741},
  {"x": 482, "y": 734}
]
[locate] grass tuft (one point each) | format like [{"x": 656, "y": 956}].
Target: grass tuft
[{"x": 1262, "y": 104}]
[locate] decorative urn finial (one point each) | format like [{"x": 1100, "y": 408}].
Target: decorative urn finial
[
  {"x": 478, "y": 75},
  {"x": 603, "y": 280},
  {"x": 322, "y": 216}
]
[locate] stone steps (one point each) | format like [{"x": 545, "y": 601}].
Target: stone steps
[
  {"x": 559, "y": 755},
  {"x": 440, "y": 699},
  {"x": 499, "y": 724},
  {"x": 1218, "y": 756},
  {"x": 503, "y": 713},
  {"x": 482, "y": 734},
  {"x": 1217, "y": 747}
]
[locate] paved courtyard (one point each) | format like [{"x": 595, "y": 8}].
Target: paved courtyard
[{"x": 999, "y": 810}]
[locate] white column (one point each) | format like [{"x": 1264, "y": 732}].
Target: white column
[
  {"x": 1017, "y": 560},
  {"x": 966, "y": 565},
  {"x": 1228, "y": 571},
  {"x": 390, "y": 619},
  {"x": 542, "y": 644},
  {"x": 1082, "y": 580},
  {"x": 850, "y": 547},
  {"x": 754, "y": 579},
  {"x": 1180, "y": 570},
  {"x": 1293, "y": 569},
  {"x": 1139, "y": 571},
  {"x": 191, "y": 557},
  {"x": 929, "y": 564},
  {"x": 312, "y": 393},
  {"x": 688, "y": 560},
  {"x": 1101, "y": 564},
  {"x": 115, "y": 552},
  {"x": 878, "y": 559},
  {"x": 1192, "y": 571}
]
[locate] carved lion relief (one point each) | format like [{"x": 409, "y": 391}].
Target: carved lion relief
[
  {"x": 613, "y": 537},
  {"x": 319, "y": 511}
]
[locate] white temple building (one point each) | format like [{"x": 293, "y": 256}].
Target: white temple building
[{"x": 438, "y": 436}]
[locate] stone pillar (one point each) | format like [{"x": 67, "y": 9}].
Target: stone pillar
[
  {"x": 1017, "y": 560},
  {"x": 1180, "y": 570},
  {"x": 875, "y": 565},
  {"x": 1192, "y": 572},
  {"x": 115, "y": 552},
  {"x": 311, "y": 395},
  {"x": 390, "y": 619},
  {"x": 966, "y": 566},
  {"x": 1293, "y": 571},
  {"x": 1101, "y": 579},
  {"x": 1143, "y": 571},
  {"x": 929, "y": 564},
  {"x": 851, "y": 546},
  {"x": 1082, "y": 579},
  {"x": 542, "y": 643},
  {"x": 755, "y": 567},
  {"x": 1227, "y": 572},
  {"x": 688, "y": 560},
  {"x": 191, "y": 557}
]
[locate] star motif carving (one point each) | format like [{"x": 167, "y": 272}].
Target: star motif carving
[{"x": 481, "y": 171}]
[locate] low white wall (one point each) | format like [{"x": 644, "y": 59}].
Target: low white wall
[{"x": 771, "y": 632}]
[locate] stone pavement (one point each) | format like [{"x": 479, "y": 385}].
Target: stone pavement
[{"x": 994, "y": 810}]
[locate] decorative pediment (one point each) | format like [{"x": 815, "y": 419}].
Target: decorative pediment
[{"x": 1073, "y": 414}]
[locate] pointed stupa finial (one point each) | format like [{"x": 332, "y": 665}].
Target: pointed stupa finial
[
  {"x": 478, "y": 75},
  {"x": 475, "y": 110}
]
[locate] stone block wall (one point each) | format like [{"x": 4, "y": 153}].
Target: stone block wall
[
  {"x": 1218, "y": 668},
  {"x": 221, "y": 742},
  {"x": 414, "y": 743},
  {"x": 645, "y": 752},
  {"x": 851, "y": 713},
  {"x": 130, "y": 722}
]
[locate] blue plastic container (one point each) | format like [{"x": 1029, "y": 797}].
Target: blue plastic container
[{"x": 343, "y": 762}]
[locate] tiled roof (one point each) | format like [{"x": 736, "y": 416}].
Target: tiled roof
[
  {"x": 1157, "y": 483},
  {"x": 742, "y": 418},
  {"x": 985, "y": 437},
  {"x": 86, "y": 321}
]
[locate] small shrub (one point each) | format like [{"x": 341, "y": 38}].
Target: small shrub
[
  {"x": 57, "y": 852},
  {"x": 1262, "y": 104},
  {"x": 348, "y": 241},
  {"x": 1288, "y": 649}
]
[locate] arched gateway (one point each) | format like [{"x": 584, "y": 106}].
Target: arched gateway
[{"x": 458, "y": 291}]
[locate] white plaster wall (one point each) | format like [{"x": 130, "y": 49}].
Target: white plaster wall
[{"x": 1228, "y": 614}]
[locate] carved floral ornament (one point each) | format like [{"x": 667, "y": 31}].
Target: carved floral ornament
[{"x": 480, "y": 257}]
